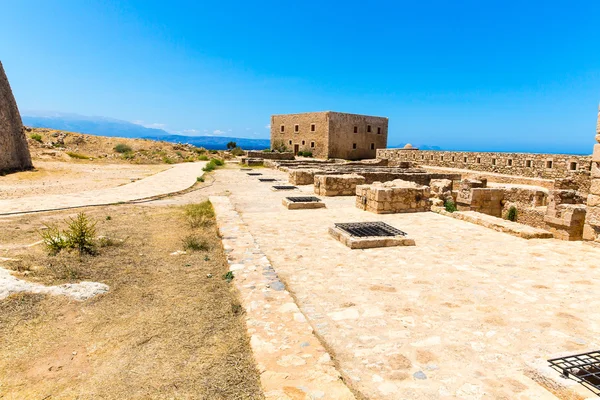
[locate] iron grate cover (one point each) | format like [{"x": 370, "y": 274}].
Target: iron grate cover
[
  {"x": 308, "y": 199},
  {"x": 365, "y": 229},
  {"x": 584, "y": 368},
  {"x": 284, "y": 187},
  {"x": 245, "y": 169},
  {"x": 254, "y": 173},
  {"x": 267, "y": 179}
]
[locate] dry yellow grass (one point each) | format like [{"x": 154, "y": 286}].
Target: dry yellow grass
[{"x": 164, "y": 330}]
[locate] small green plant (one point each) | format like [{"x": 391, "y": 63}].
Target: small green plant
[
  {"x": 199, "y": 214},
  {"x": 308, "y": 154},
  {"x": 37, "y": 137},
  {"x": 123, "y": 148},
  {"x": 209, "y": 167},
  {"x": 78, "y": 155},
  {"x": 300, "y": 153},
  {"x": 129, "y": 155},
  {"x": 180, "y": 154},
  {"x": 218, "y": 162},
  {"x": 231, "y": 145},
  {"x": 81, "y": 233},
  {"x": 203, "y": 157},
  {"x": 194, "y": 243},
  {"x": 200, "y": 179},
  {"x": 206, "y": 258},
  {"x": 168, "y": 160},
  {"x": 228, "y": 276},
  {"x": 53, "y": 239},
  {"x": 237, "y": 151},
  {"x": 512, "y": 214},
  {"x": 108, "y": 217},
  {"x": 450, "y": 206},
  {"x": 199, "y": 150}
]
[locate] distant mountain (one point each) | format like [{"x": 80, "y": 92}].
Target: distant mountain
[{"x": 103, "y": 126}]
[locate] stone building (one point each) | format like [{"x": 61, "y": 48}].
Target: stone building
[
  {"x": 330, "y": 134},
  {"x": 14, "y": 152}
]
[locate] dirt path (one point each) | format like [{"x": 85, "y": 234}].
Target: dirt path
[{"x": 175, "y": 179}]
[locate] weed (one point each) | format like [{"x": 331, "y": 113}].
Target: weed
[
  {"x": 200, "y": 214},
  {"x": 123, "y": 148},
  {"x": 206, "y": 258},
  {"x": 300, "y": 153},
  {"x": 308, "y": 154},
  {"x": 37, "y": 137},
  {"x": 209, "y": 167},
  {"x": 168, "y": 160},
  {"x": 237, "y": 151},
  {"x": 53, "y": 239},
  {"x": 450, "y": 206},
  {"x": 512, "y": 214},
  {"x": 194, "y": 243},
  {"x": 180, "y": 154},
  {"x": 106, "y": 241},
  {"x": 81, "y": 233},
  {"x": 203, "y": 157},
  {"x": 218, "y": 162},
  {"x": 228, "y": 276},
  {"x": 128, "y": 155},
  {"x": 200, "y": 179},
  {"x": 78, "y": 155},
  {"x": 108, "y": 217}
]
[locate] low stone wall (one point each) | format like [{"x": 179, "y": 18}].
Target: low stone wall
[
  {"x": 396, "y": 196},
  {"x": 337, "y": 185},
  {"x": 270, "y": 155},
  {"x": 493, "y": 177},
  {"x": 547, "y": 166}
]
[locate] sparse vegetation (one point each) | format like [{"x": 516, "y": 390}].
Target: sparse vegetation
[
  {"x": 79, "y": 235},
  {"x": 512, "y": 214},
  {"x": 78, "y": 155},
  {"x": 199, "y": 214},
  {"x": 237, "y": 151},
  {"x": 200, "y": 179},
  {"x": 218, "y": 162},
  {"x": 194, "y": 243},
  {"x": 279, "y": 145},
  {"x": 168, "y": 160},
  {"x": 228, "y": 276},
  {"x": 450, "y": 206},
  {"x": 123, "y": 148},
  {"x": 203, "y": 157},
  {"x": 37, "y": 137},
  {"x": 213, "y": 164}
]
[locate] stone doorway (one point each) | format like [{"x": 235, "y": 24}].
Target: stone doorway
[{"x": 296, "y": 149}]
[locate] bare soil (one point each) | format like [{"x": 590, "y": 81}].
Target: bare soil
[{"x": 170, "y": 326}]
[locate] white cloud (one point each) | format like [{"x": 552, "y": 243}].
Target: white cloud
[
  {"x": 155, "y": 125},
  {"x": 268, "y": 126},
  {"x": 192, "y": 131},
  {"x": 218, "y": 132}
]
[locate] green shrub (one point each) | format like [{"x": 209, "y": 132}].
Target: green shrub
[
  {"x": 237, "y": 151},
  {"x": 168, "y": 160},
  {"x": 78, "y": 156},
  {"x": 308, "y": 154},
  {"x": 228, "y": 276},
  {"x": 79, "y": 235},
  {"x": 231, "y": 145},
  {"x": 129, "y": 155},
  {"x": 123, "y": 148},
  {"x": 450, "y": 206},
  {"x": 53, "y": 239},
  {"x": 37, "y": 137},
  {"x": 195, "y": 243},
  {"x": 199, "y": 214},
  {"x": 203, "y": 157},
  {"x": 199, "y": 150},
  {"x": 218, "y": 162},
  {"x": 209, "y": 167},
  {"x": 512, "y": 214},
  {"x": 300, "y": 153},
  {"x": 180, "y": 154},
  {"x": 200, "y": 179}
]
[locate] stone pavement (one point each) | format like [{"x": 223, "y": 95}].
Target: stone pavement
[
  {"x": 175, "y": 179},
  {"x": 292, "y": 362},
  {"x": 460, "y": 315}
]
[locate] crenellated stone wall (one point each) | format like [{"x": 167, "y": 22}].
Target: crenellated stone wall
[
  {"x": 591, "y": 228},
  {"x": 546, "y": 166},
  {"x": 14, "y": 151}
]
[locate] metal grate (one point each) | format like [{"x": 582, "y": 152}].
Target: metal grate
[
  {"x": 245, "y": 169},
  {"x": 309, "y": 199},
  {"x": 365, "y": 229},
  {"x": 584, "y": 368},
  {"x": 267, "y": 179},
  {"x": 284, "y": 187},
  {"x": 254, "y": 173}
]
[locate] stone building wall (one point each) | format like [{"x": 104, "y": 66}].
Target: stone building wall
[
  {"x": 392, "y": 197},
  {"x": 330, "y": 134},
  {"x": 337, "y": 185},
  {"x": 342, "y": 138},
  {"x": 14, "y": 152},
  {"x": 591, "y": 228},
  {"x": 270, "y": 155},
  {"x": 547, "y": 166}
]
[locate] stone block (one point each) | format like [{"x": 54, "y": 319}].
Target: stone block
[
  {"x": 593, "y": 216},
  {"x": 593, "y": 200},
  {"x": 596, "y": 153},
  {"x": 595, "y": 186}
]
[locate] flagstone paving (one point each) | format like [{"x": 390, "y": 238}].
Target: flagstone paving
[
  {"x": 175, "y": 179},
  {"x": 461, "y": 315}
]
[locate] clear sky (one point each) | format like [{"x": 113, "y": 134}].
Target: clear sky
[{"x": 472, "y": 75}]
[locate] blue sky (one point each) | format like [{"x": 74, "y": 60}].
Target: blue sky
[{"x": 472, "y": 75}]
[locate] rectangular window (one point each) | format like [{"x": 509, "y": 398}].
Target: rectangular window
[
  {"x": 354, "y": 145},
  {"x": 431, "y": 158},
  {"x": 422, "y": 157},
  {"x": 296, "y": 128},
  {"x": 282, "y": 128},
  {"x": 378, "y": 130},
  {"x": 312, "y": 145},
  {"x": 509, "y": 162},
  {"x": 465, "y": 159},
  {"x": 453, "y": 158},
  {"x": 528, "y": 163},
  {"x": 549, "y": 164},
  {"x": 356, "y": 129},
  {"x": 369, "y": 128},
  {"x": 478, "y": 160},
  {"x": 493, "y": 161},
  {"x": 573, "y": 166},
  {"x": 290, "y": 142},
  {"x": 313, "y": 127},
  {"x": 303, "y": 143},
  {"x": 372, "y": 146},
  {"x": 441, "y": 158}
]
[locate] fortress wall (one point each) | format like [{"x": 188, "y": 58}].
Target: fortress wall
[
  {"x": 14, "y": 152},
  {"x": 545, "y": 166}
]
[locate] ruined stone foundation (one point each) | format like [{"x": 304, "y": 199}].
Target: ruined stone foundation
[{"x": 14, "y": 152}]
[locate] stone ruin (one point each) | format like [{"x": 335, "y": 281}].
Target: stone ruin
[
  {"x": 396, "y": 196},
  {"x": 337, "y": 185},
  {"x": 14, "y": 152},
  {"x": 591, "y": 228}
]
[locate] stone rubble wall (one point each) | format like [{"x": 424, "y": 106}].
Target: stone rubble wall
[
  {"x": 396, "y": 196},
  {"x": 337, "y": 185},
  {"x": 14, "y": 151},
  {"x": 268, "y": 155},
  {"x": 547, "y": 166},
  {"x": 591, "y": 229}
]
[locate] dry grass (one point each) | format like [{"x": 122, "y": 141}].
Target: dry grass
[{"x": 164, "y": 330}]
